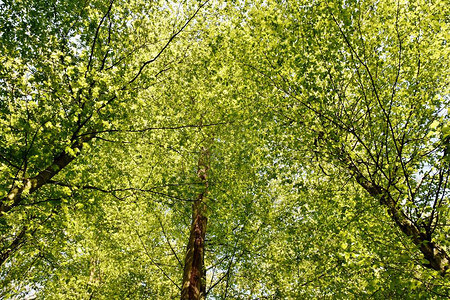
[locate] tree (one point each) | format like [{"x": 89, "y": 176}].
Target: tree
[
  {"x": 365, "y": 87},
  {"x": 71, "y": 75},
  {"x": 247, "y": 151}
]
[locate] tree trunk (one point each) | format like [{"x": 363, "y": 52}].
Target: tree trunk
[
  {"x": 15, "y": 244},
  {"x": 194, "y": 277},
  {"x": 32, "y": 184},
  {"x": 438, "y": 258}
]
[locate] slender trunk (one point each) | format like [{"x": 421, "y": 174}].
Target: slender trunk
[
  {"x": 194, "y": 277},
  {"x": 438, "y": 258},
  {"x": 15, "y": 244},
  {"x": 32, "y": 184}
]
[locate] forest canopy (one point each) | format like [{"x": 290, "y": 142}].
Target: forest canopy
[{"x": 224, "y": 149}]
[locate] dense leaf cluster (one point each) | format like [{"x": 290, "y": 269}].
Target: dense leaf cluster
[{"x": 326, "y": 126}]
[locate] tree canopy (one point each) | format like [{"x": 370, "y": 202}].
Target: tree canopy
[{"x": 224, "y": 149}]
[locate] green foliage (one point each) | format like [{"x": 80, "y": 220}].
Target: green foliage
[{"x": 317, "y": 116}]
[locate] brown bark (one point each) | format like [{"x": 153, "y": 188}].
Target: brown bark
[
  {"x": 18, "y": 240},
  {"x": 438, "y": 258},
  {"x": 194, "y": 277},
  {"x": 30, "y": 185}
]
